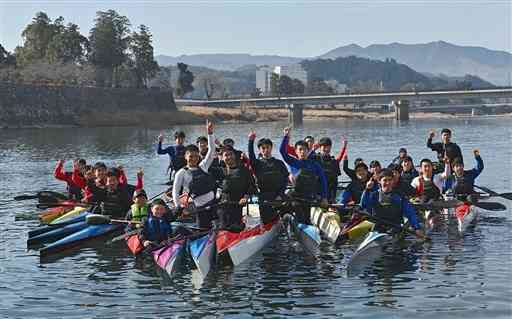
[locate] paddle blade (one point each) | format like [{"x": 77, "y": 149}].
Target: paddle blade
[
  {"x": 493, "y": 206},
  {"x": 506, "y": 196},
  {"x": 97, "y": 219},
  {"x": 25, "y": 197}
]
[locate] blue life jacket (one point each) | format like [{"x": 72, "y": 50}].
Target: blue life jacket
[{"x": 157, "y": 229}]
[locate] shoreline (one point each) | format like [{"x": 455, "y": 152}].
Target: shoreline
[{"x": 197, "y": 115}]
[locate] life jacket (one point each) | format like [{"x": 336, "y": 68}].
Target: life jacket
[
  {"x": 463, "y": 184},
  {"x": 356, "y": 188},
  {"x": 139, "y": 212},
  {"x": 330, "y": 167},
  {"x": 407, "y": 177},
  {"x": 307, "y": 183},
  {"x": 157, "y": 229},
  {"x": 388, "y": 210},
  {"x": 428, "y": 190},
  {"x": 74, "y": 192},
  {"x": 234, "y": 184},
  {"x": 179, "y": 158},
  {"x": 116, "y": 203},
  {"x": 201, "y": 183},
  {"x": 269, "y": 176}
]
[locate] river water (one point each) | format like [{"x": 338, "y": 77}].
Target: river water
[{"x": 453, "y": 276}]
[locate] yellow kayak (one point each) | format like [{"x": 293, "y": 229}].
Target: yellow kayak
[
  {"x": 72, "y": 213},
  {"x": 333, "y": 229}
]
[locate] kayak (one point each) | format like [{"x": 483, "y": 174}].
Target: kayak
[
  {"x": 170, "y": 256},
  {"x": 245, "y": 244},
  {"x": 466, "y": 215},
  {"x": 47, "y": 228},
  {"x": 52, "y": 213},
  {"x": 134, "y": 244},
  {"x": 369, "y": 250},
  {"x": 203, "y": 252},
  {"x": 333, "y": 230},
  {"x": 88, "y": 233},
  {"x": 307, "y": 235},
  {"x": 56, "y": 233},
  {"x": 72, "y": 213}
]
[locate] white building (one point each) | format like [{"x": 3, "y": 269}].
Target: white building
[
  {"x": 264, "y": 75},
  {"x": 294, "y": 71}
]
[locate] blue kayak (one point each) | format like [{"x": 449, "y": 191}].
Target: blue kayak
[
  {"x": 56, "y": 233},
  {"x": 44, "y": 229},
  {"x": 79, "y": 237}
]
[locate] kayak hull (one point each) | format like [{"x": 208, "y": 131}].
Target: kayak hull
[
  {"x": 307, "y": 235},
  {"x": 51, "y": 227},
  {"x": 79, "y": 237},
  {"x": 51, "y": 214},
  {"x": 56, "y": 233},
  {"x": 170, "y": 256},
  {"x": 203, "y": 252},
  {"x": 67, "y": 216}
]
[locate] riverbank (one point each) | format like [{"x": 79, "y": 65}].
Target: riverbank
[{"x": 197, "y": 115}]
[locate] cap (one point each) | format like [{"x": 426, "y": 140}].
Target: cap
[
  {"x": 158, "y": 201},
  {"x": 402, "y": 150},
  {"x": 325, "y": 141},
  {"x": 375, "y": 163},
  {"x": 139, "y": 192}
]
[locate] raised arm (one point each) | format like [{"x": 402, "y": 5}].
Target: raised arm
[
  {"x": 479, "y": 166},
  {"x": 210, "y": 155},
  {"x": 292, "y": 161},
  {"x": 250, "y": 147},
  {"x": 342, "y": 152},
  {"x": 59, "y": 173}
]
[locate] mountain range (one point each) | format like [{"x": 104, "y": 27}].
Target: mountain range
[{"x": 433, "y": 58}]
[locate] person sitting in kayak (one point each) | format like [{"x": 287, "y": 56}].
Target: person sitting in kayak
[
  {"x": 408, "y": 172},
  {"x": 352, "y": 194},
  {"x": 309, "y": 182},
  {"x": 157, "y": 226},
  {"x": 176, "y": 153},
  {"x": 140, "y": 207},
  {"x": 237, "y": 187},
  {"x": 444, "y": 149},
  {"x": 400, "y": 185},
  {"x": 194, "y": 185},
  {"x": 429, "y": 186},
  {"x": 330, "y": 165},
  {"x": 462, "y": 182},
  {"x": 74, "y": 191},
  {"x": 388, "y": 206},
  {"x": 402, "y": 154},
  {"x": 375, "y": 169},
  {"x": 215, "y": 168},
  {"x": 115, "y": 198},
  {"x": 271, "y": 176},
  {"x": 351, "y": 173}
]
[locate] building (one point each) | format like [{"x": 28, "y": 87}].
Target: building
[
  {"x": 337, "y": 87},
  {"x": 264, "y": 75},
  {"x": 294, "y": 71}
]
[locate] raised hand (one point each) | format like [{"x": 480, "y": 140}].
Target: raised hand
[
  {"x": 161, "y": 137},
  {"x": 252, "y": 135},
  {"x": 209, "y": 127},
  {"x": 476, "y": 152},
  {"x": 369, "y": 184},
  {"x": 432, "y": 133},
  {"x": 286, "y": 131},
  {"x": 76, "y": 167},
  {"x": 140, "y": 173}
]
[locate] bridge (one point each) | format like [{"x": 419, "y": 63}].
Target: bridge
[{"x": 295, "y": 104}]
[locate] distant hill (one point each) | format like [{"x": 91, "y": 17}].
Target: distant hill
[
  {"x": 435, "y": 58},
  {"x": 438, "y": 58},
  {"x": 229, "y": 62}
]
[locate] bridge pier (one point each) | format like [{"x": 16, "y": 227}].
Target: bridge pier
[
  {"x": 402, "y": 110},
  {"x": 295, "y": 114}
]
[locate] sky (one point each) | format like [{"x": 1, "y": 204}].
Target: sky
[{"x": 288, "y": 28}]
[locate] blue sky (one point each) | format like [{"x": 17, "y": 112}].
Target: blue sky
[{"x": 291, "y": 28}]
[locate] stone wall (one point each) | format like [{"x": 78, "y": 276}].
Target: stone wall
[{"x": 26, "y": 105}]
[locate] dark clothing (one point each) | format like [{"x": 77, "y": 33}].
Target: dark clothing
[
  {"x": 237, "y": 183},
  {"x": 351, "y": 173},
  {"x": 176, "y": 155},
  {"x": 404, "y": 188},
  {"x": 156, "y": 229},
  {"x": 407, "y": 177},
  {"x": 215, "y": 168},
  {"x": 451, "y": 150},
  {"x": 205, "y": 217},
  {"x": 390, "y": 207},
  {"x": 114, "y": 203},
  {"x": 331, "y": 169},
  {"x": 397, "y": 161},
  {"x": 463, "y": 185},
  {"x": 271, "y": 178}
]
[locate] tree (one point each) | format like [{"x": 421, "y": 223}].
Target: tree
[
  {"x": 285, "y": 85},
  {"x": 36, "y": 38},
  {"x": 108, "y": 42},
  {"x": 68, "y": 45},
  {"x": 275, "y": 88},
  {"x": 318, "y": 86},
  {"x": 145, "y": 66},
  {"x": 185, "y": 80},
  {"x": 6, "y": 58},
  {"x": 211, "y": 83},
  {"x": 256, "y": 93}
]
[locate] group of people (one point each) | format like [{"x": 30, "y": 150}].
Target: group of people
[{"x": 213, "y": 181}]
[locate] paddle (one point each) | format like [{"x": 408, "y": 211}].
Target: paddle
[
  {"x": 50, "y": 196},
  {"x": 493, "y": 193},
  {"x": 65, "y": 203},
  {"x": 98, "y": 219},
  {"x": 123, "y": 236},
  {"x": 492, "y": 206}
]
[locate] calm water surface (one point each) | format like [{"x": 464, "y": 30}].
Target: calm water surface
[{"x": 453, "y": 276}]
